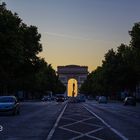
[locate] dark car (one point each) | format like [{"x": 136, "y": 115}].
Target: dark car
[
  {"x": 102, "y": 99},
  {"x": 130, "y": 101},
  {"x": 46, "y": 98},
  {"x": 60, "y": 98},
  {"x": 81, "y": 98},
  {"x": 9, "y": 104}
]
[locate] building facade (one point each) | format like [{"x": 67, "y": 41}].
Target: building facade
[{"x": 76, "y": 72}]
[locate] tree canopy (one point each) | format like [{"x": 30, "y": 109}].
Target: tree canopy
[
  {"x": 120, "y": 69},
  {"x": 20, "y": 66}
]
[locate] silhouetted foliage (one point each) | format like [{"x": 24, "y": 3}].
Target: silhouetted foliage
[
  {"x": 120, "y": 69},
  {"x": 20, "y": 66}
]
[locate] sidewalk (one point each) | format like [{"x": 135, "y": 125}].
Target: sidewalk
[{"x": 77, "y": 123}]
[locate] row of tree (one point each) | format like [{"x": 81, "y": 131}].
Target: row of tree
[
  {"x": 21, "y": 69},
  {"x": 120, "y": 70}
]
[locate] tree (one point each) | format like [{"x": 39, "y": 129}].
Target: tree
[
  {"x": 47, "y": 80},
  {"x": 135, "y": 36},
  {"x": 135, "y": 44},
  {"x": 120, "y": 70},
  {"x": 126, "y": 72},
  {"x": 11, "y": 49},
  {"x": 20, "y": 66}
]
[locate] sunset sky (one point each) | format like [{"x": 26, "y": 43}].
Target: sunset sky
[{"x": 78, "y": 31}]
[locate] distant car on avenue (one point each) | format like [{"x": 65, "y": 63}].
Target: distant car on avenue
[
  {"x": 9, "y": 104},
  {"x": 60, "y": 98},
  {"x": 130, "y": 101},
  {"x": 102, "y": 99},
  {"x": 81, "y": 98},
  {"x": 46, "y": 98}
]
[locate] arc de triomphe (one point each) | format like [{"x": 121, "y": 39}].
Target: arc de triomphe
[{"x": 68, "y": 72}]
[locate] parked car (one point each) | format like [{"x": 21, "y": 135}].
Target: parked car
[
  {"x": 130, "y": 101},
  {"x": 102, "y": 99},
  {"x": 60, "y": 98},
  {"x": 9, "y": 104}
]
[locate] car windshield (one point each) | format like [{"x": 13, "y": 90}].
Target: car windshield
[{"x": 6, "y": 99}]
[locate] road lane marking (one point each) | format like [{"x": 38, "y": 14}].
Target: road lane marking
[
  {"x": 69, "y": 130},
  {"x": 56, "y": 124},
  {"x": 122, "y": 113},
  {"x": 114, "y": 130},
  {"x": 81, "y": 121},
  {"x": 81, "y": 134},
  {"x": 87, "y": 134}
]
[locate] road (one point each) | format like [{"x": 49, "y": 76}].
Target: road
[
  {"x": 124, "y": 119},
  {"x": 72, "y": 121},
  {"x": 34, "y": 122},
  {"x": 77, "y": 123}
]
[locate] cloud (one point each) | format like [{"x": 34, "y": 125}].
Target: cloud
[{"x": 67, "y": 36}]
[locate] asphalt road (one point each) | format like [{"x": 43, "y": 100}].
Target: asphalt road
[
  {"x": 34, "y": 122},
  {"x": 76, "y": 121},
  {"x": 124, "y": 119}
]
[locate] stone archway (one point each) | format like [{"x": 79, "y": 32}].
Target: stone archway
[
  {"x": 72, "y": 87},
  {"x": 72, "y": 71}
]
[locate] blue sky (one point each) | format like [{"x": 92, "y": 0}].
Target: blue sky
[{"x": 78, "y": 31}]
